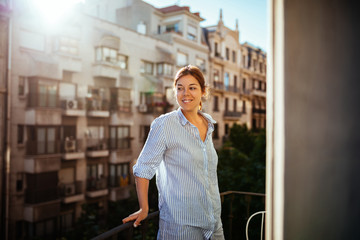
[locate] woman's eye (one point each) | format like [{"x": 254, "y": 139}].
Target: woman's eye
[
  {"x": 179, "y": 88},
  {"x": 192, "y": 88}
]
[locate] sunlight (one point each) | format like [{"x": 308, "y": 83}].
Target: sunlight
[{"x": 54, "y": 10}]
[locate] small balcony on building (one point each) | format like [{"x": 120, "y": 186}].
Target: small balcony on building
[
  {"x": 219, "y": 86},
  {"x": 119, "y": 181},
  {"x": 96, "y": 147},
  {"x": 96, "y": 187},
  {"x": 232, "y": 115},
  {"x": 72, "y": 149},
  {"x": 97, "y": 107},
  {"x": 41, "y": 211},
  {"x": 259, "y": 93},
  {"x": 72, "y": 192},
  {"x": 120, "y": 100},
  {"x": 153, "y": 103},
  {"x": 258, "y": 110}
]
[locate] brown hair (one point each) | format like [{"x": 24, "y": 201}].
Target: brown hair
[{"x": 196, "y": 73}]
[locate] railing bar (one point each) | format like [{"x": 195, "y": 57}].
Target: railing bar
[
  {"x": 122, "y": 227},
  {"x": 245, "y": 193}
]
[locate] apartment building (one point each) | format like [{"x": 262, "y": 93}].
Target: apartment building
[
  {"x": 229, "y": 106},
  {"x": 84, "y": 93},
  {"x": 253, "y": 72}
]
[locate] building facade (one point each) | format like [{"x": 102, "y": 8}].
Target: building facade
[{"x": 83, "y": 96}]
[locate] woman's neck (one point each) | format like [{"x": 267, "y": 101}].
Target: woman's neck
[{"x": 192, "y": 116}]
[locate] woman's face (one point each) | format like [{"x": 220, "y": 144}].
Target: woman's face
[{"x": 188, "y": 93}]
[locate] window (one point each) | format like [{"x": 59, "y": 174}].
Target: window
[
  {"x": 216, "y": 103},
  {"x": 226, "y": 104},
  {"x": 159, "y": 29},
  {"x": 96, "y": 138},
  {"x": 226, "y": 128},
  {"x": 147, "y": 67},
  {"x": 43, "y": 140},
  {"x": 244, "y": 83},
  {"x": 111, "y": 55},
  {"x": 68, "y": 45},
  {"x": 216, "y": 131},
  {"x": 164, "y": 69},
  {"x": 95, "y": 177},
  {"x": 191, "y": 33},
  {"x": 144, "y": 132},
  {"x": 217, "y": 54},
  {"x": 244, "y": 107},
  {"x": 21, "y": 86},
  {"x": 174, "y": 27},
  {"x": 181, "y": 59},
  {"x": 141, "y": 27},
  {"x": 43, "y": 93},
  {"x": 227, "y": 81},
  {"x": 98, "y": 99},
  {"x": 19, "y": 182},
  {"x": 244, "y": 61},
  {"x": 66, "y": 222},
  {"x": 200, "y": 63},
  {"x": 216, "y": 75},
  {"x": 235, "y": 105},
  {"x": 119, "y": 175},
  {"x": 120, "y": 99},
  {"x": 233, "y": 56},
  {"x": 235, "y": 84},
  {"x": 227, "y": 54},
  {"x": 120, "y": 137},
  {"x": 20, "y": 134}
]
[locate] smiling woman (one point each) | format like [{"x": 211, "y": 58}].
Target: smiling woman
[{"x": 53, "y": 11}]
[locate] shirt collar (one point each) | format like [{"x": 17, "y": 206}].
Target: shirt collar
[{"x": 183, "y": 119}]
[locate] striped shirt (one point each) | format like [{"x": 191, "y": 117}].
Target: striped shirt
[{"x": 185, "y": 168}]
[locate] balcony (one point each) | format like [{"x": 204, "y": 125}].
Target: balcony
[
  {"x": 96, "y": 187},
  {"x": 43, "y": 109},
  {"x": 233, "y": 89},
  {"x": 72, "y": 149},
  {"x": 73, "y": 107},
  {"x": 246, "y": 92},
  {"x": 43, "y": 147},
  {"x": 232, "y": 115},
  {"x": 237, "y": 209},
  {"x": 39, "y": 212},
  {"x": 121, "y": 106},
  {"x": 219, "y": 86},
  {"x": 259, "y": 93},
  {"x": 119, "y": 188},
  {"x": 260, "y": 111},
  {"x": 97, "y": 107},
  {"x": 155, "y": 108},
  {"x": 35, "y": 196},
  {"x": 106, "y": 70},
  {"x": 97, "y": 148},
  {"x": 72, "y": 192}
]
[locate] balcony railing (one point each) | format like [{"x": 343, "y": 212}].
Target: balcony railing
[
  {"x": 42, "y": 147},
  {"x": 97, "y": 104},
  {"x": 232, "y": 114},
  {"x": 73, "y": 104},
  {"x": 95, "y": 144},
  {"x": 94, "y": 184},
  {"x": 124, "y": 106},
  {"x": 43, "y": 100},
  {"x": 219, "y": 86},
  {"x": 230, "y": 215},
  {"x": 71, "y": 145},
  {"x": 120, "y": 144},
  {"x": 256, "y": 110}
]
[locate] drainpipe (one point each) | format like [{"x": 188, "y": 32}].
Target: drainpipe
[{"x": 7, "y": 111}]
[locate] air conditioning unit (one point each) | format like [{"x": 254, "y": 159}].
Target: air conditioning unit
[
  {"x": 142, "y": 108},
  {"x": 70, "y": 145},
  {"x": 69, "y": 189},
  {"x": 71, "y": 104}
]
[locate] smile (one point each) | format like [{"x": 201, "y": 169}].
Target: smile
[{"x": 186, "y": 100}]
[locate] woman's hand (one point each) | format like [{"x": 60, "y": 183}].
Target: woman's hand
[{"x": 137, "y": 216}]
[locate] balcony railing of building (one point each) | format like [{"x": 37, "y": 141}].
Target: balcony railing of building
[
  {"x": 123, "y": 106},
  {"x": 43, "y": 100},
  {"x": 232, "y": 213},
  {"x": 43, "y": 147},
  {"x": 94, "y": 184},
  {"x": 120, "y": 143},
  {"x": 155, "y": 108},
  {"x": 232, "y": 114},
  {"x": 73, "y": 104},
  {"x": 96, "y": 144},
  {"x": 257, "y": 110},
  {"x": 97, "y": 104}
]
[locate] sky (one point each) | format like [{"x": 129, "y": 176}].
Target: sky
[{"x": 252, "y": 16}]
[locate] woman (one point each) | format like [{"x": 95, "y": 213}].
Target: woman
[{"x": 180, "y": 151}]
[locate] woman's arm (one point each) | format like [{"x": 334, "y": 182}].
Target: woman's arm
[{"x": 142, "y": 189}]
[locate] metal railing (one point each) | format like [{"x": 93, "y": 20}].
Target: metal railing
[{"x": 127, "y": 230}]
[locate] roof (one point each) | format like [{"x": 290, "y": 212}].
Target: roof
[{"x": 176, "y": 8}]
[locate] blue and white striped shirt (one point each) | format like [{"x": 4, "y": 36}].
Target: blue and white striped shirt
[{"x": 185, "y": 168}]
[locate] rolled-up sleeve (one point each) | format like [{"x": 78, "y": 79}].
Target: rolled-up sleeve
[{"x": 152, "y": 153}]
